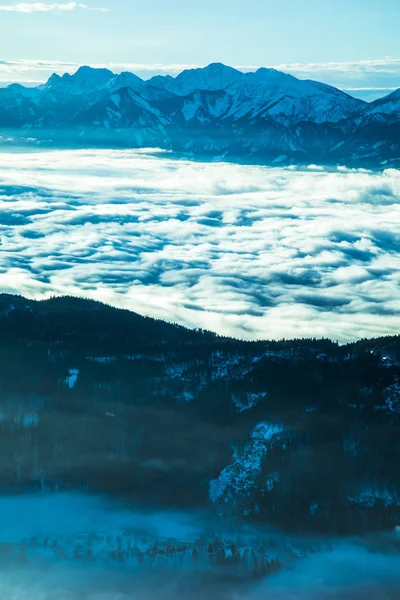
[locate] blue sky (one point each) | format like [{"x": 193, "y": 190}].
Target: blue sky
[{"x": 360, "y": 37}]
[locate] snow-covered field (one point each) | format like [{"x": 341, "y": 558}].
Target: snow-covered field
[{"x": 244, "y": 250}]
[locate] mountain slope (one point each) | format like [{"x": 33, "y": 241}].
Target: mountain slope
[
  {"x": 301, "y": 434},
  {"x": 217, "y": 111},
  {"x": 125, "y": 80},
  {"x": 124, "y": 108},
  {"x": 287, "y": 100},
  {"x": 84, "y": 81},
  {"x": 17, "y": 108},
  {"x": 215, "y": 76},
  {"x": 374, "y": 134},
  {"x": 387, "y": 108}
]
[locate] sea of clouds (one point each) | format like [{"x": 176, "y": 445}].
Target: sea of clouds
[{"x": 248, "y": 251}]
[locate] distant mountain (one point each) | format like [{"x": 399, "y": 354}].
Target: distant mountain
[
  {"x": 387, "y": 108},
  {"x": 270, "y": 94},
  {"x": 84, "y": 81},
  {"x": 266, "y": 116},
  {"x": 18, "y": 107},
  {"x": 214, "y": 77},
  {"x": 125, "y": 109},
  {"x": 374, "y": 136},
  {"x": 18, "y": 89},
  {"x": 125, "y": 80}
]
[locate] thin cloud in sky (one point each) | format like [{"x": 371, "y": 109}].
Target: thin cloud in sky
[
  {"x": 367, "y": 79},
  {"x": 381, "y": 65},
  {"x": 371, "y": 89},
  {"x": 384, "y": 65},
  {"x": 27, "y": 8}
]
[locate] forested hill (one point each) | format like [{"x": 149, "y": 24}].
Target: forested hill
[
  {"x": 302, "y": 434},
  {"x": 76, "y": 321}
]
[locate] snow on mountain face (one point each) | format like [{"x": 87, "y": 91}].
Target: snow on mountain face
[
  {"x": 387, "y": 108},
  {"x": 370, "y": 497},
  {"x": 200, "y": 106},
  {"x": 392, "y": 397},
  {"x": 84, "y": 81},
  {"x": 125, "y": 79},
  {"x": 247, "y": 401},
  {"x": 124, "y": 109},
  {"x": 214, "y": 77},
  {"x": 216, "y": 110},
  {"x": 271, "y": 94},
  {"x": 18, "y": 89},
  {"x": 265, "y": 94},
  {"x": 160, "y": 81},
  {"x": 239, "y": 479},
  {"x": 17, "y": 108}
]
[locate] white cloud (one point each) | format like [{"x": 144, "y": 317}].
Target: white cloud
[
  {"x": 25, "y": 7},
  {"x": 369, "y": 78},
  {"x": 244, "y": 250},
  {"x": 371, "y": 89},
  {"x": 385, "y": 65}
]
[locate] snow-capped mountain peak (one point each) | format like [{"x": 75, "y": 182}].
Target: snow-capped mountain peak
[
  {"x": 269, "y": 75},
  {"x": 85, "y": 75},
  {"x": 387, "y": 107},
  {"x": 215, "y": 76},
  {"x": 85, "y": 80},
  {"x": 271, "y": 94},
  {"x": 125, "y": 79},
  {"x": 216, "y": 110}
]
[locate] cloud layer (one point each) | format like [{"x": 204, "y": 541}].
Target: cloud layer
[
  {"x": 27, "y": 8},
  {"x": 248, "y": 251},
  {"x": 366, "y": 78}
]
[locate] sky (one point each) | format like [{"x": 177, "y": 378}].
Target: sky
[{"x": 352, "y": 44}]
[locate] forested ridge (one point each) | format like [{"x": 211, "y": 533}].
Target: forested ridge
[{"x": 301, "y": 434}]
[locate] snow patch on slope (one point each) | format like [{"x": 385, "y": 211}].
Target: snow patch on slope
[
  {"x": 370, "y": 497},
  {"x": 72, "y": 378},
  {"x": 392, "y": 396},
  {"x": 215, "y": 76},
  {"x": 247, "y": 401},
  {"x": 238, "y": 480}
]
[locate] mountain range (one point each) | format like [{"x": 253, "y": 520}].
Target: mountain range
[{"x": 219, "y": 112}]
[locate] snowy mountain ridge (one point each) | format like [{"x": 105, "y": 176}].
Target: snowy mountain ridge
[{"x": 266, "y": 116}]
